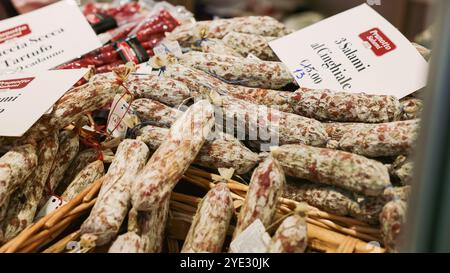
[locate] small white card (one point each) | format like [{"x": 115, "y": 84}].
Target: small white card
[
  {"x": 45, "y": 38},
  {"x": 120, "y": 111},
  {"x": 25, "y": 97},
  {"x": 355, "y": 51},
  {"x": 52, "y": 204},
  {"x": 254, "y": 239},
  {"x": 167, "y": 46}
]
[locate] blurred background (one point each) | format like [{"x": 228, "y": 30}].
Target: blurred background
[{"x": 411, "y": 17}]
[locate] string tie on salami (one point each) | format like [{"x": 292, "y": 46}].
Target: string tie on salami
[
  {"x": 122, "y": 73},
  {"x": 200, "y": 35},
  {"x": 160, "y": 62}
]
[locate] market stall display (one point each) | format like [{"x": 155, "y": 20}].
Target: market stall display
[{"x": 336, "y": 179}]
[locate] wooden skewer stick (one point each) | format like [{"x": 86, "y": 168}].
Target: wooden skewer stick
[
  {"x": 62, "y": 211},
  {"x": 61, "y": 245}
]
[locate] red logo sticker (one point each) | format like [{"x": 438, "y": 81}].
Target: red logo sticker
[
  {"x": 14, "y": 32},
  {"x": 378, "y": 41},
  {"x": 15, "y": 83}
]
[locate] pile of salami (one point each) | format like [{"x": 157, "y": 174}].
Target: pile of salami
[{"x": 228, "y": 106}]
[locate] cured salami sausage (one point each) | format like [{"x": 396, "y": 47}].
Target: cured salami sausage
[
  {"x": 392, "y": 219},
  {"x": 81, "y": 160},
  {"x": 210, "y": 224},
  {"x": 344, "y": 106},
  {"x": 383, "y": 139},
  {"x": 348, "y": 171},
  {"x": 113, "y": 200},
  {"x": 337, "y": 201},
  {"x": 129, "y": 242},
  {"x": 269, "y": 124},
  {"x": 265, "y": 188},
  {"x": 247, "y": 72},
  {"x": 15, "y": 166},
  {"x": 155, "y": 112},
  {"x": 291, "y": 236},
  {"x": 69, "y": 145},
  {"x": 246, "y": 44},
  {"x": 24, "y": 203},
  {"x": 87, "y": 176},
  {"x": 169, "y": 162},
  {"x": 225, "y": 151}
]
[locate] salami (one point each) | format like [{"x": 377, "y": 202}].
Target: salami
[
  {"x": 259, "y": 25},
  {"x": 402, "y": 168},
  {"x": 129, "y": 242},
  {"x": 335, "y": 130},
  {"x": 24, "y": 203},
  {"x": 392, "y": 219},
  {"x": 15, "y": 166},
  {"x": 337, "y": 201},
  {"x": 266, "y": 186},
  {"x": 384, "y": 139},
  {"x": 246, "y": 44},
  {"x": 267, "y": 124},
  {"x": 210, "y": 224},
  {"x": 225, "y": 151},
  {"x": 168, "y": 91},
  {"x": 401, "y": 193},
  {"x": 291, "y": 236},
  {"x": 81, "y": 160},
  {"x": 344, "y": 106},
  {"x": 113, "y": 200},
  {"x": 155, "y": 112},
  {"x": 87, "y": 176},
  {"x": 69, "y": 145},
  {"x": 345, "y": 170},
  {"x": 198, "y": 82},
  {"x": 270, "y": 98},
  {"x": 151, "y": 226},
  {"x": 173, "y": 157},
  {"x": 247, "y": 72},
  {"x": 412, "y": 108},
  {"x": 215, "y": 46}
]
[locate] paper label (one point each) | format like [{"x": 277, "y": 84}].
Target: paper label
[
  {"x": 52, "y": 204},
  {"x": 117, "y": 126},
  {"x": 25, "y": 97},
  {"x": 254, "y": 239},
  {"x": 167, "y": 46},
  {"x": 355, "y": 51},
  {"x": 45, "y": 38}
]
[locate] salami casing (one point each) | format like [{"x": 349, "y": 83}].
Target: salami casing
[
  {"x": 15, "y": 166},
  {"x": 265, "y": 188},
  {"x": 348, "y": 171},
  {"x": 242, "y": 71},
  {"x": 24, "y": 202},
  {"x": 291, "y": 236},
  {"x": 344, "y": 106},
  {"x": 169, "y": 162},
  {"x": 210, "y": 224},
  {"x": 113, "y": 200},
  {"x": 87, "y": 176}
]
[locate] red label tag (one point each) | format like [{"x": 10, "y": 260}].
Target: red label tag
[
  {"x": 378, "y": 41},
  {"x": 15, "y": 83},
  {"x": 127, "y": 52},
  {"x": 14, "y": 32}
]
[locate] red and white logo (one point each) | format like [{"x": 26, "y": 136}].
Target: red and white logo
[
  {"x": 14, "y": 32},
  {"x": 378, "y": 41},
  {"x": 15, "y": 83}
]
